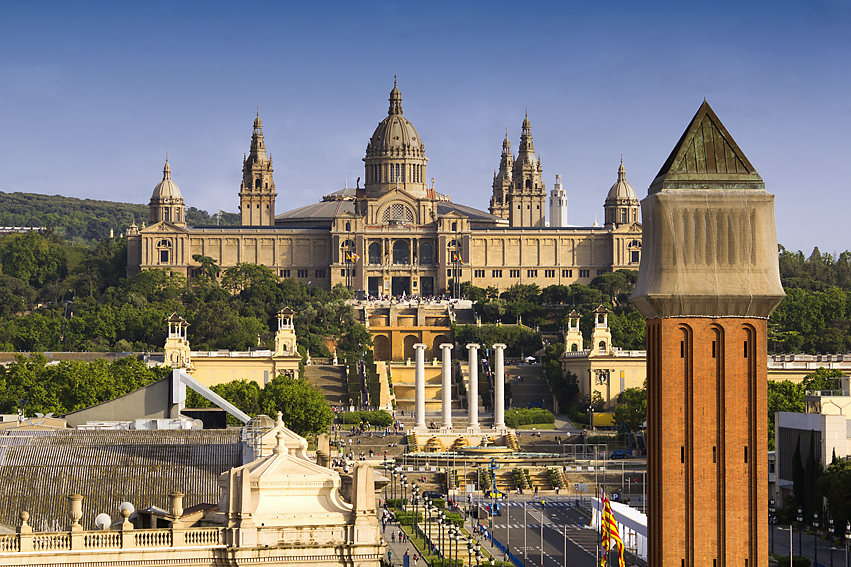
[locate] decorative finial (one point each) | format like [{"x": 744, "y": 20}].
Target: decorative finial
[
  {"x": 279, "y": 419},
  {"x": 258, "y": 111},
  {"x": 279, "y": 447},
  {"x": 394, "y": 82}
]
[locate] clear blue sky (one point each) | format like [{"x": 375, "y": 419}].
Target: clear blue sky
[{"x": 93, "y": 95}]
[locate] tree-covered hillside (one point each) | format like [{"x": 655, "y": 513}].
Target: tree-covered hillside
[
  {"x": 86, "y": 219},
  {"x": 55, "y": 297}
]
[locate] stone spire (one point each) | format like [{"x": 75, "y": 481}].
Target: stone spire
[
  {"x": 395, "y": 100},
  {"x": 257, "y": 191},
  {"x": 258, "y": 145}
]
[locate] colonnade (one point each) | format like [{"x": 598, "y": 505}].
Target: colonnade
[{"x": 473, "y": 387}]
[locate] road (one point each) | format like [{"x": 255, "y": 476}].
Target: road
[{"x": 552, "y": 536}]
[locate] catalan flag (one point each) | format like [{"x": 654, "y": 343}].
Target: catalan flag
[{"x": 609, "y": 533}]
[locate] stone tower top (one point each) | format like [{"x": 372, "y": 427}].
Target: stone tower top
[{"x": 710, "y": 245}]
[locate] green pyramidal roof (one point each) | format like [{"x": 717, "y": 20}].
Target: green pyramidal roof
[{"x": 706, "y": 157}]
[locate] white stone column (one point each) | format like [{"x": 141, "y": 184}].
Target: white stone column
[
  {"x": 419, "y": 386},
  {"x": 499, "y": 387},
  {"x": 447, "y": 385},
  {"x": 473, "y": 387}
]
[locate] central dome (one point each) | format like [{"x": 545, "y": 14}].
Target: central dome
[
  {"x": 395, "y": 132},
  {"x": 166, "y": 189},
  {"x": 621, "y": 190}
]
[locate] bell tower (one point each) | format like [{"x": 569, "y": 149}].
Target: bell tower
[
  {"x": 499, "y": 205},
  {"x": 257, "y": 190},
  {"x": 527, "y": 200},
  {"x": 708, "y": 282}
]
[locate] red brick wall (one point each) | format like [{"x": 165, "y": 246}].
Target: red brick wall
[{"x": 705, "y": 409}]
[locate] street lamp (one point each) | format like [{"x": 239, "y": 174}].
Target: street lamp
[
  {"x": 469, "y": 553},
  {"x": 395, "y": 477},
  {"x": 771, "y": 510},
  {"x": 832, "y": 539},
  {"x": 847, "y": 537},
  {"x": 815, "y": 535},
  {"x": 800, "y": 523}
]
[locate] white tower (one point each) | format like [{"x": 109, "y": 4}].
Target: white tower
[{"x": 558, "y": 204}]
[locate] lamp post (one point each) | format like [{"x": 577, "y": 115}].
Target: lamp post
[
  {"x": 800, "y": 523},
  {"x": 426, "y": 515},
  {"x": 405, "y": 493},
  {"x": 393, "y": 478},
  {"x": 847, "y": 537},
  {"x": 771, "y": 510},
  {"x": 832, "y": 539},
  {"x": 440, "y": 517},
  {"x": 815, "y": 536},
  {"x": 469, "y": 553},
  {"x": 415, "y": 493},
  {"x": 457, "y": 541}
]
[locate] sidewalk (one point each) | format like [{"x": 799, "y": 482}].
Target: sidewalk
[{"x": 397, "y": 548}]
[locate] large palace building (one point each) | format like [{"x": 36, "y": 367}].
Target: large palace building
[{"x": 396, "y": 234}]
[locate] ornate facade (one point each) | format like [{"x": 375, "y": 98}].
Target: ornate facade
[{"x": 397, "y": 235}]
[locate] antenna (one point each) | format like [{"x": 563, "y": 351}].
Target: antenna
[{"x": 103, "y": 521}]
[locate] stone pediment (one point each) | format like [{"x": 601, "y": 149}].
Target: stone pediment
[{"x": 164, "y": 227}]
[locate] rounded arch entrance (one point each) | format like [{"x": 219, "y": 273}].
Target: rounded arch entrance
[
  {"x": 381, "y": 347},
  {"x": 435, "y": 345},
  {"x": 410, "y": 341}
]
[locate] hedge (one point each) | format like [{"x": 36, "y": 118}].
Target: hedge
[
  {"x": 379, "y": 417},
  {"x": 518, "y": 417}
]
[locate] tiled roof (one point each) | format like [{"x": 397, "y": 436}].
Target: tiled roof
[{"x": 38, "y": 469}]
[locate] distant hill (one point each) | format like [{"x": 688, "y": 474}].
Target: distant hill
[{"x": 87, "y": 219}]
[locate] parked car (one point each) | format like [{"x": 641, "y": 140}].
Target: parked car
[
  {"x": 620, "y": 454},
  {"x": 434, "y": 495}
]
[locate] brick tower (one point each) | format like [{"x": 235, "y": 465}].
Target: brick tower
[{"x": 708, "y": 281}]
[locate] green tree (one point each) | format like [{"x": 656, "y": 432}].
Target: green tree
[
  {"x": 782, "y": 396},
  {"x": 304, "y": 407},
  {"x": 632, "y": 408}
]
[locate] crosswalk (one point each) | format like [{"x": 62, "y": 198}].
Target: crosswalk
[
  {"x": 548, "y": 504},
  {"x": 558, "y": 527}
]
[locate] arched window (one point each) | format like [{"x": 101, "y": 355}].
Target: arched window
[
  {"x": 375, "y": 253},
  {"x": 348, "y": 226},
  {"x": 528, "y": 184},
  {"x": 397, "y": 213},
  {"x": 257, "y": 183},
  {"x": 401, "y": 252},
  {"x": 574, "y": 347},
  {"x": 602, "y": 346},
  {"x": 426, "y": 254}
]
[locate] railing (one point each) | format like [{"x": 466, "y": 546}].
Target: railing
[
  {"x": 825, "y": 393},
  {"x": 111, "y": 539}
]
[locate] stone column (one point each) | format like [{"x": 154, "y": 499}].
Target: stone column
[
  {"x": 499, "y": 387},
  {"x": 473, "y": 387},
  {"x": 419, "y": 386},
  {"x": 447, "y": 385}
]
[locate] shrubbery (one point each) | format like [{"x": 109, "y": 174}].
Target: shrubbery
[
  {"x": 379, "y": 418},
  {"x": 517, "y": 417}
]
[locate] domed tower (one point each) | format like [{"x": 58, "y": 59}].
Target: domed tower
[
  {"x": 621, "y": 203},
  {"x": 166, "y": 203},
  {"x": 395, "y": 155},
  {"x": 528, "y": 195},
  {"x": 502, "y": 181},
  {"x": 257, "y": 190}
]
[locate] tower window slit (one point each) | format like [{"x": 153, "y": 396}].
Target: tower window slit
[
  {"x": 682, "y": 349},
  {"x": 714, "y": 454},
  {"x": 682, "y": 454},
  {"x": 746, "y": 349},
  {"x": 746, "y": 454},
  {"x": 713, "y": 349}
]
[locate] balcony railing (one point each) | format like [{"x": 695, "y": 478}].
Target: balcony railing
[{"x": 111, "y": 539}]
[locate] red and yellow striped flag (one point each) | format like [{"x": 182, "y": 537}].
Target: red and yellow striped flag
[{"x": 609, "y": 532}]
